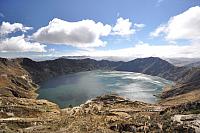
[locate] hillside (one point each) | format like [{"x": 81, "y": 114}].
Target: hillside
[
  {"x": 195, "y": 64},
  {"x": 21, "y": 112},
  {"x": 151, "y": 66},
  {"x": 15, "y": 81}
]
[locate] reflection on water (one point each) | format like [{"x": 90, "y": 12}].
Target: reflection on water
[{"x": 77, "y": 88}]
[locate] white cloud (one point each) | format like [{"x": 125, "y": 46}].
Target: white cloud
[
  {"x": 146, "y": 50},
  {"x": 183, "y": 26},
  {"x": 81, "y": 34},
  {"x": 139, "y": 25},
  {"x": 123, "y": 27},
  {"x": 159, "y": 31},
  {"x": 20, "y": 44},
  {"x": 7, "y": 28},
  {"x": 85, "y": 34}
]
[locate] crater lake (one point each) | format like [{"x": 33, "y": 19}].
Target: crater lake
[{"x": 75, "y": 89}]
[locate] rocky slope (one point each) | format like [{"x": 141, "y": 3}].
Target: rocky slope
[
  {"x": 188, "y": 83},
  {"x": 178, "y": 111},
  {"x": 15, "y": 81}
]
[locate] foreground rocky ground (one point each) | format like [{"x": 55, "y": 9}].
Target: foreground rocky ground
[
  {"x": 177, "y": 111},
  {"x": 105, "y": 114}
]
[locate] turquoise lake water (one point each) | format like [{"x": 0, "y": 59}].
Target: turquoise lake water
[{"x": 77, "y": 88}]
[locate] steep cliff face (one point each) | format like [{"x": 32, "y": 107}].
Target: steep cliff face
[{"x": 14, "y": 80}]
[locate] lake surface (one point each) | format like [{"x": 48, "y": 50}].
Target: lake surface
[{"x": 77, "y": 88}]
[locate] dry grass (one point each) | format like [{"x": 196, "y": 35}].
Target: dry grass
[{"x": 180, "y": 99}]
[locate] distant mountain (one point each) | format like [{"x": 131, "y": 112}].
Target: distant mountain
[
  {"x": 196, "y": 64},
  {"x": 182, "y": 61},
  {"x": 75, "y": 57}
]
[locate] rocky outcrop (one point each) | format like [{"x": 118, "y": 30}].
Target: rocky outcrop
[
  {"x": 193, "y": 120},
  {"x": 19, "y": 114}
]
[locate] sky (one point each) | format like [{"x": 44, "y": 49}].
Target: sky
[{"x": 104, "y": 28}]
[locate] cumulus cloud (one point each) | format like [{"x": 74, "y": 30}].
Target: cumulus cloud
[
  {"x": 84, "y": 34},
  {"x": 81, "y": 34},
  {"x": 7, "y": 28},
  {"x": 20, "y": 44},
  {"x": 146, "y": 50},
  {"x": 123, "y": 27},
  {"x": 183, "y": 26}
]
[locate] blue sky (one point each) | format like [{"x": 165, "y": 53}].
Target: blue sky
[{"x": 127, "y": 27}]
